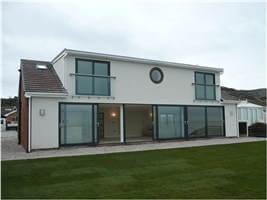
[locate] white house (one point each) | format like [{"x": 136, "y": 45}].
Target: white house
[{"x": 92, "y": 98}]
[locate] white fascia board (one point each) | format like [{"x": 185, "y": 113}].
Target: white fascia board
[
  {"x": 59, "y": 56},
  {"x": 248, "y": 105},
  {"x": 13, "y": 111},
  {"x": 40, "y": 94},
  {"x": 135, "y": 60}
]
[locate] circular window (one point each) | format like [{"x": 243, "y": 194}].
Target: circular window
[{"x": 156, "y": 75}]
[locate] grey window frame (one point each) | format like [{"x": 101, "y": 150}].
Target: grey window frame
[
  {"x": 161, "y": 73},
  {"x": 94, "y": 122},
  {"x": 205, "y": 86},
  {"x": 93, "y": 76}
]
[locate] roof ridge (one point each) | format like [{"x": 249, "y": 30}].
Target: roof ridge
[{"x": 32, "y": 60}]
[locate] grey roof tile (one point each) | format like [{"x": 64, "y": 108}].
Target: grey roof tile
[{"x": 40, "y": 80}]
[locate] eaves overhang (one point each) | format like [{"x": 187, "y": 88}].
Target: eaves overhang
[
  {"x": 78, "y": 53},
  {"x": 44, "y": 94}
]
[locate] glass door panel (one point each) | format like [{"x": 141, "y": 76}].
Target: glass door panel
[
  {"x": 215, "y": 121},
  {"x": 170, "y": 122},
  {"x": 196, "y": 121},
  {"x": 76, "y": 124}
]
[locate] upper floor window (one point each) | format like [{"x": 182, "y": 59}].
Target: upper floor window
[
  {"x": 205, "y": 86},
  {"x": 156, "y": 75},
  {"x": 92, "y": 77}
]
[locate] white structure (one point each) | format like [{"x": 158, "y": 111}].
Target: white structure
[
  {"x": 92, "y": 98},
  {"x": 250, "y": 113}
]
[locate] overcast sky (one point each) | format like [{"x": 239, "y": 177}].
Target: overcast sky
[{"x": 225, "y": 35}]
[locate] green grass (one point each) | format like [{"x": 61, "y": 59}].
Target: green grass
[{"x": 222, "y": 171}]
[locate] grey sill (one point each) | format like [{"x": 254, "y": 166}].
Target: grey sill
[{"x": 206, "y": 100}]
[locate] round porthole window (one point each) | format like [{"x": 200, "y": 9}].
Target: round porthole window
[{"x": 156, "y": 75}]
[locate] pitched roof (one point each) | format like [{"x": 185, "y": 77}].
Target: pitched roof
[
  {"x": 11, "y": 112},
  {"x": 40, "y": 80}
]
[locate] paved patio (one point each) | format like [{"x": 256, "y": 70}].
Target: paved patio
[{"x": 12, "y": 151}]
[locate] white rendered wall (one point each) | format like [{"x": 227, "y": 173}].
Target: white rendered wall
[
  {"x": 59, "y": 67},
  {"x": 231, "y": 121},
  {"x": 44, "y": 130},
  {"x": 133, "y": 85}
]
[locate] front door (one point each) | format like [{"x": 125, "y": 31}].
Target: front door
[
  {"x": 242, "y": 128},
  {"x": 76, "y": 124}
]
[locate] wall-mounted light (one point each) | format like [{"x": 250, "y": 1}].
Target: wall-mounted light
[
  {"x": 150, "y": 114},
  {"x": 42, "y": 112},
  {"x": 113, "y": 114}
]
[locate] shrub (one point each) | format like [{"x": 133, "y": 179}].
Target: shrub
[{"x": 257, "y": 130}]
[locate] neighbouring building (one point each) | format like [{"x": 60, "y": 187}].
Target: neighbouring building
[
  {"x": 248, "y": 113},
  {"x": 85, "y": 98},
  {"x": 9, "y": 120}
]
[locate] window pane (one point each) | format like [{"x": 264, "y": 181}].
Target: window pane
[
  {"x": 196, "y": 121},
  {"x": 84, "y": 67},
  {"x": 215, "y": 121},
  {"x": 77, "y": 124},
  {"x": 101, "y": 69},
  {"x": 210, "y": 92},
  {"x": 254, "y": 115},
  {"x": 260, "y": 116},
  {"x": 156, "y": 75},
  {"x": 200, "y": 78},
  {"x": 84, "y": 85},
  {"x": 250, "y": 115},
  {"x": 239, "y": 114},
  {"x": 200, "y": 92},
  {"x": 171, "y": 122},
  {"x": 243, "y": 113},
  {"x": 101, "y": 86},
  {"x": 209, "y": 79}
]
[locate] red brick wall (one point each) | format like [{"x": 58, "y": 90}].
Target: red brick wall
[
  {"x": 24, "y": 118},
  {"x": 9, "y": 118}
]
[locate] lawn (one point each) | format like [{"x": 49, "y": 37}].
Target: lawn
[{"x": 222, "y": 171}]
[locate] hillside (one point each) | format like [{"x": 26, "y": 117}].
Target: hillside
[{"x": 257, "y": 96}]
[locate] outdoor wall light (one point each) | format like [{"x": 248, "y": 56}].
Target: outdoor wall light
[
  {"x": 113, "y": 114},
  {"x": 42, "y": 112}
]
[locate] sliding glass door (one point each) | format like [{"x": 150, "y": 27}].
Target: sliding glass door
[
  {"x": 76, "y": 124},
  {"x": 205, "y": 121},
  {"x": 170, "y": 122},
  {"x": 196, "y": 121},
  {"x": 215, "y": 121}
]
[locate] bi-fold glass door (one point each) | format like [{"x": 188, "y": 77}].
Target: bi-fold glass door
[{"x": 77, "y": 124}]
